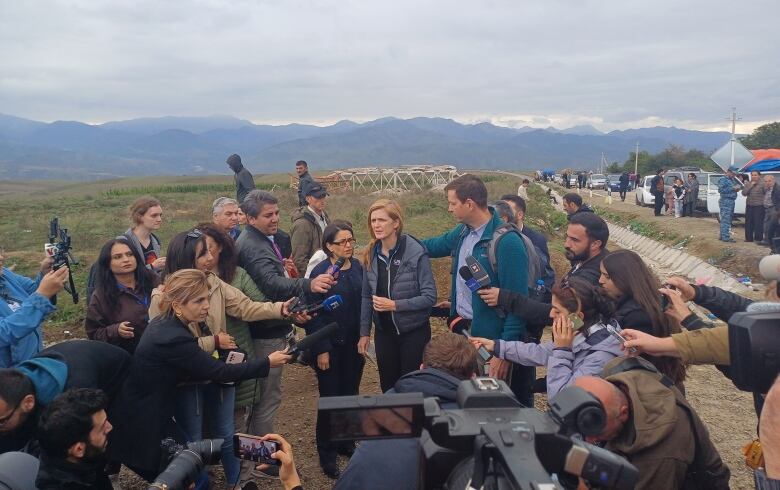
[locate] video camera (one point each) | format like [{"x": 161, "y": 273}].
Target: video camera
[
  {"x": 490, "y": 440},
  {"x": 184, "y": 463},
  {"x": 754, "y": 348},
  {"x": 59, "y": 249}
]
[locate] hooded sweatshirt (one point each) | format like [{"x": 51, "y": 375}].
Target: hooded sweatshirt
[
  {"x": 658, "y": 437},
  {"x": 587, "y": 356}
]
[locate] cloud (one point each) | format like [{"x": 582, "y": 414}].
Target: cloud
[{"x": 606, "y": 63}]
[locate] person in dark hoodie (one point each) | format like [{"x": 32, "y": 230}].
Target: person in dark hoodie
[
  {"x": 448, "y": 359},
  {"x": 308, "y": 223},
  {"x": 653, "y": 427},
  {"x": 243, "y": 177},
  {"x": 304, "y": 181},
  {"x": 27, "y": 388},
  {"x": 627, "y": 280},
  {"x": 573, "y": 205}
]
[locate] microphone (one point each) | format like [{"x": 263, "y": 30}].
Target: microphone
[
  {"x": 307, "y": 342},
  {"x": 334, "y": 269},
  {"x": 329, "y": 304},
  {"x": 477, "y": 278},
  {"x": 457, "y": 325},
  {"x": 769, "y": 267}
]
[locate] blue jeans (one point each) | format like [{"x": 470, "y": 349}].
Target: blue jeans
[
  {"x": 726, "y": 212},
  {"x": 217, "y": 402}
]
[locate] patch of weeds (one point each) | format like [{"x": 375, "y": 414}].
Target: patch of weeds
[{"x": 720, "y": 257}]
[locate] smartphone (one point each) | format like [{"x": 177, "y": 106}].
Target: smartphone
[
  {"x": 235, "y": 357},
  {"x": 665, "y": 298},
  {"x": 252, "y": 448},
  {"x": 615, "y": 332},
  {"x": 576, "y": 321}
]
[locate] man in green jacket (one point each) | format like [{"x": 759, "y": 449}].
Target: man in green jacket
[{"x": 467, "y": 199}]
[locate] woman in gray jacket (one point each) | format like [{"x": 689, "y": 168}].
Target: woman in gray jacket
[{"x": 398, "y": 293}]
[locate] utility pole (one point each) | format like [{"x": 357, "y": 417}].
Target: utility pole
[
  {"x": 636, "y": 160},
  {"x": 734, "y": 120}
]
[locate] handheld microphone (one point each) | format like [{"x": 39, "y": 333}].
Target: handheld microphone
[
  {"x": 307, "y": 342},
  {"x": 334, "y": 269},
  {"x": 769, "y": 267},
  {"x": 328, "y": 304},
  {"x": 458, "y": 325},
  {"x": 477, "y": 278}
]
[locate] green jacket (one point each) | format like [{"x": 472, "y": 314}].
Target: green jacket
[
  {"x": 239, "y": 329},
  {"x": 512, "y": 274}
]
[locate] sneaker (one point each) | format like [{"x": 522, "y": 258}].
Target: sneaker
[{"x": 271, "y": 472}]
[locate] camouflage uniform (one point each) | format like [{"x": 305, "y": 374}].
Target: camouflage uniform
[{"x": 726, "y": 203}]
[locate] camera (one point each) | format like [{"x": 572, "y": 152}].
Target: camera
[
  {"x": 490, "y": 440},
  {"x": 59, "y": 249},
  {"x": 754, "y": 348},
  {"x": 185, "y": 462}
]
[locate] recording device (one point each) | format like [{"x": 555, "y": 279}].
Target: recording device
[
  {"x": 236, "y": 356},
  {"x": 614, "y": 329},
  {"x": 477, "y": 278},
  {"x": 769, "y": 267},
  {"x": 459, "y": 325},
  {"x": 664, "y": 298},
  {"x": 253, "y": 448},
  {"x": 754, "y": 348},
  {"x": 184, "y": 463},
  {"x": 334, "y": 269},
  {"x": 59, "y": 249},
  {"x": 329, "y": 304},
  {"x": 490, "y": 440},
  {"x": 307, "y": 342}
]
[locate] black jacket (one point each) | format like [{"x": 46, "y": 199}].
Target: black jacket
[
  {"x": 167, "y": 355},
  {"x": 630, "y": 314},
  {"x": 536, "y": 312},
  {"x": 582, "y": 209},
  {"x": 244, "y": 183},
  {"x": 721, "y": 303},
  {"x": 540, "y": 243},
  {"x": 304, "y": 181},
  {"x": 59, "y": 474},
  {"x": 394, "y": 463},
  {"x": 90, "y": 364},
  {"x": 349, "y": 286}
]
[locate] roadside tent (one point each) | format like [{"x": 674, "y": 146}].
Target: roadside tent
[{"x": 764, "y": 160}]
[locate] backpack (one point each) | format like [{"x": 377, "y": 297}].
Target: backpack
[
  {"x": 703, "y": 473},
  {"x": 535, "y": 262}
]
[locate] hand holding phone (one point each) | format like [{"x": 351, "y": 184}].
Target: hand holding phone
[
  {"x": 254, "y": 448},
  {"x": 615, "y": 332}
]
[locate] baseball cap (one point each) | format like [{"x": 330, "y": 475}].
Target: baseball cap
[{"x": 316, "y": 190}]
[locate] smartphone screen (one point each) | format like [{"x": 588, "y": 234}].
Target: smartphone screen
[{"x": 251, "y": 448}]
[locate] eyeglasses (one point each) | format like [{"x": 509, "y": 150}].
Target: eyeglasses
[{"x": 345, "y": 241}]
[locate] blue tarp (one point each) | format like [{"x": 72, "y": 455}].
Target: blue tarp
[{"x": 765, "y": 165}]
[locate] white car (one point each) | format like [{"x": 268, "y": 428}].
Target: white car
[
  {"x": 597, "y": 181},
  {"x": 642, "y": 194}
]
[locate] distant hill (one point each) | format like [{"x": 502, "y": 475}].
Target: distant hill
[{"x": 73, "y": 150}]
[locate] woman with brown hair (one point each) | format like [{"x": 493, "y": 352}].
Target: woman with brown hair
[
  {"x": 167, "y": 356},
  {"x": 634, "y": 288},
  {"x": 146, "y": 216},
  {"x": 398, "y": 293}
]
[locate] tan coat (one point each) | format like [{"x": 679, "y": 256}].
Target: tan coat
[
  {"x": 704, "y": 346},
  {"x": 224, "y": 299}
]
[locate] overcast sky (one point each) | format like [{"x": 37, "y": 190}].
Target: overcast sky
[{"x": 610, "y": 63}]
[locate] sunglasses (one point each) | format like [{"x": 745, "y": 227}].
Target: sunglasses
[
  {"x": 345, "y": 241},
  {"x": 194, "y": 234}
]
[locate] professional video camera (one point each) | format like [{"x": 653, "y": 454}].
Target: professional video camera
[
  {"x": 754, "y": 348},
  {"x": 490, "y": 441},
  {"x": 185, "y": 462},
  {"x": 58, "y": 248}
]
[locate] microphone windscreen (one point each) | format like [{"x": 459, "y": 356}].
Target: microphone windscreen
[
  {"x": 763, "y": 307},
  {"x": 465, "y": 273},
  {"x": 770, "y": 267},
  {"x": 332, "y": 303},
  {"x": 311, "y": 339}
]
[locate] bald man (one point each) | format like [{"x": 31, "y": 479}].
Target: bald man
[{"x": 654, "y": 428}]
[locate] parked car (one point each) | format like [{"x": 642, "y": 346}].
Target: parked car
[
  {"x": 596, "y": 181},
  {"x": 642, "y": 194},
  {"x": 613, "y": 182}
]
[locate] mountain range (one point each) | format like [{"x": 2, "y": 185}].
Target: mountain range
[{"x": 71, "y": 150}]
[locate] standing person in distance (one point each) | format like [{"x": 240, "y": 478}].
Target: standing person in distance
[
  {"x": 754, "y": 191},
  {"x": 118, "y": 310},
  {"x": 24, "y": 304},
  {"x": 398, "y": 292},
  {"x": 771, "y": 210},
  {"x": 728, "y": 186},
  {"x": 678, "y": 190},
  {"x": 468, "y": 204},
  {"x": 146, "y": 215},
  {"x": 304, "y": 181},
  {"x": 339, "y": 365},
  {"x": 167, "y": 356},
  {"x": 245, "y": 183},
  {"x": 627, "y": 280},
  {"x": 657, "y": 189},
  {"x": 625, "y": 182},
  {"x": 309, "y": 222},
  {"x": 691, "y": 195}
]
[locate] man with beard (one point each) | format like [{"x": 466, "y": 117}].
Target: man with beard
[{"x": 73, "y": 432}]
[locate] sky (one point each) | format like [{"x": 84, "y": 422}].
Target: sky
[{"x": 613, "y": 64}]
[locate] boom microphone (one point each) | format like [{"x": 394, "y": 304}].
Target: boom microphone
[{"x": 307, "y": 342}]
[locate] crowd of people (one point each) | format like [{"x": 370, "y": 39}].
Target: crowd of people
[{"x": 165, "y": 330}]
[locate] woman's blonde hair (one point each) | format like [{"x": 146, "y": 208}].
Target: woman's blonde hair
[
  {"x": 393, "y": 209},
  {"x": 182, "y": 286}
]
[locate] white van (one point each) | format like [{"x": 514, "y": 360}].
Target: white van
[{"x": 642, "y": 194}]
